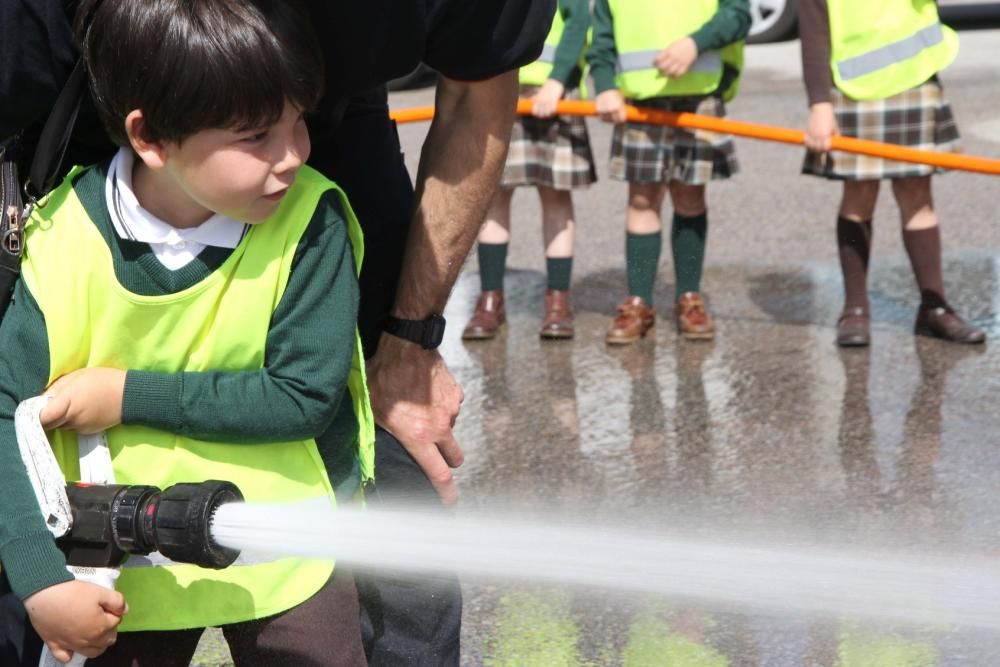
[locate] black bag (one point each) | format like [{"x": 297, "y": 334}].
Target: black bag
[{"x": 18, "y": 196}]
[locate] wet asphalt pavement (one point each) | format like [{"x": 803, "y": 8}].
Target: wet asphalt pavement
[{"x": 770, "y": 431}]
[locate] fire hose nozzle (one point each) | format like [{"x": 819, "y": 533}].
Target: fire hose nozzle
[{"x": 112, "y": 521}]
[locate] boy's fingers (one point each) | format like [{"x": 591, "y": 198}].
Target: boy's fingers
[
  {"x": 113, "y": 603},
  {"x": 59, "y": 653},
  {"x": 55, "y": 412}
]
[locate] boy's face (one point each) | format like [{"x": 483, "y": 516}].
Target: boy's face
[{"x": 242, "y": 175}]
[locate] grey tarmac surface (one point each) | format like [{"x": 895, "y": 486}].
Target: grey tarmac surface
[{"x": 770, "y": 432}]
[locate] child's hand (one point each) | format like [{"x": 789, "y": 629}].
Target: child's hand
[
  {"x": 87, "y": 401},
  {"x": 611, "y": 106},
  {"x": 675, "y": 60},
  {"x": 543, "y": 103},
  {"x": 76, "y": 617},
  {"x": 821, "y": 128}
]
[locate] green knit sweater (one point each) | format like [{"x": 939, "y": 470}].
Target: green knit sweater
[
  {"x": 576, "y": 23},
  {"x": 299, "y": 393}
]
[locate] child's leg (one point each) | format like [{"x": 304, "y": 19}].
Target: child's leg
[
  {"x": 921, "y": 236},
  {"x": 493, "y": 240},
  {"x": 558, "y": 230},
  {"x": 687, "y": 236},
  {"x": 854, "y": 234},
  {"x": 643, "y": 238},
  {"x": 492, "y": 252},
  {"x": 922, "y": 239},
  {"x": 323, "y": 631},
  {"x": 688, "y": 231},
  {"x": 559, "y": 233}
]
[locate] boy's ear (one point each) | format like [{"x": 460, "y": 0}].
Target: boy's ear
[{"x": 153, "y": 153}]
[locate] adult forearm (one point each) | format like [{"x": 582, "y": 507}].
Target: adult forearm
[{"x": 459, "y": 169}]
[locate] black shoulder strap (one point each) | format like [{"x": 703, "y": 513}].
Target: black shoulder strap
[
  {"x": 44, "y": 170},
  {"x": 54, "y": 139}
]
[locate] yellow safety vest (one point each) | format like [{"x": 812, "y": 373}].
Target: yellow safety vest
[
  {"x": 643, "y": 28},
  {"x": 537, "y": 73},
  {"x": 880, "y": 49},
  {"x": 218, "y": 324}
]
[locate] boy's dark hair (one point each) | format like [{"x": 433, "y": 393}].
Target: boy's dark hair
[{"x": 193, "y": 65}]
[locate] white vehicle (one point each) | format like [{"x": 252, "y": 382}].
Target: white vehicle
[{"x": 773, "y": 20}]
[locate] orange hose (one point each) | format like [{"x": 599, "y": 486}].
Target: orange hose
[{"x": 785, "y": 135}]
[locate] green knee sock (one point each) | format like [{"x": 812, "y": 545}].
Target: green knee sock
[
  {"x": 688, "y": 240},
  {"x": 642, "y": 261},
  {"x": 492, "y": 264},
  {"x": 559, "y": 269}
]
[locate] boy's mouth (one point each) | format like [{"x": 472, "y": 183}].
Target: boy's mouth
[{"x": 276, "y": 196}]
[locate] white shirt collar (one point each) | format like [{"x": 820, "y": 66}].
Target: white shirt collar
[{"x": 133, "y": 222}]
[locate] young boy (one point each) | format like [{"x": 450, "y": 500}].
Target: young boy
[
  {"x": 677, "y": 55},
  {"x": 870, "y": 71},
  {"x": 553, "y": 154},
  {"x": 196, "y": 298}
]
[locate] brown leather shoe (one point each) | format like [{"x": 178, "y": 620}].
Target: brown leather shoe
[
  {"x": 694, "y": 322},
  {"x": 853, "y": 327},
  {"x": 487, "y": 318},
  {"x": 633, "y": 321},
  {"x": 943, "y": 322},
  {"x": 558, "y": 322}
]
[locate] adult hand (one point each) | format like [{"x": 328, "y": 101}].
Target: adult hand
[
  {"x": 415, "y": 398},
  {"x": 88, "y": 400},
  {"x": 543, "y": 103},
  {"x": 76, "y": 617},
  {"x": 821, "y": 128},
  {"x": 610, "y": 106},
  {"x": 675, "y": 60}
]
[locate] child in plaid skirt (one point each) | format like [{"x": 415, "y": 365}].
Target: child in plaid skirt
[
  {"x": 676, "y": 55},
  {"x": 903, "y": 105},
  {"x": 552, "y": 154}
]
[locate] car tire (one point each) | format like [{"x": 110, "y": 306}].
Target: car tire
[{"x": 773, "y": 20}]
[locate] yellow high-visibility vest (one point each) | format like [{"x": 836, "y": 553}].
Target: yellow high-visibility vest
[
  {"x": 880, "y": 49},
  {"x": 643, "y": 28},
  {"x": 219, "y": 324},
  {"x": 537, "y": 73}
]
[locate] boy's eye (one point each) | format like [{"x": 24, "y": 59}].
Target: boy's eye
[{"x": 257, "y": 136}]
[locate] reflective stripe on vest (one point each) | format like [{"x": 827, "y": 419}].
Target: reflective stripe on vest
[
  {"x": 709, "y": 62},
  {"x": 219, "y": 324},
  {"x": 880, "y": 49},
  {"x": 643, "y": 28}
]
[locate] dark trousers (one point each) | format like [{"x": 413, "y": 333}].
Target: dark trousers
[
  {"x": 320, "y": 632},
  {"x": 404, "y": 621}
]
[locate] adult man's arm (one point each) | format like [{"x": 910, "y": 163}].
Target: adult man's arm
[{"x": 414, "y": 396}]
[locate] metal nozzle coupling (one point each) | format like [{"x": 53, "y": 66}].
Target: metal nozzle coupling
[{"x": 110, "y": 522}]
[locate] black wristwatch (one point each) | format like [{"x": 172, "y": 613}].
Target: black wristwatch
[{"x": 427, "y": 333}]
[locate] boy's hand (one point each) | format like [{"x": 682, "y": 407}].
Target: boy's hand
[
  {"x": 675, "y": 60},
  {"x": 87, "y": 401},
  {"x": 76, "y": 617},
  {"x": 821, "y": 128},
  {"x": 543, "y": 103},
  {"x": 611, "y": 106}
]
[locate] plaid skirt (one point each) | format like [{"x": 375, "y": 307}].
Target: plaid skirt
[
  {"x": 642, "y": 153},
  {"x": 916, "y": 118},
  {"x": 551, "y": 152}
]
